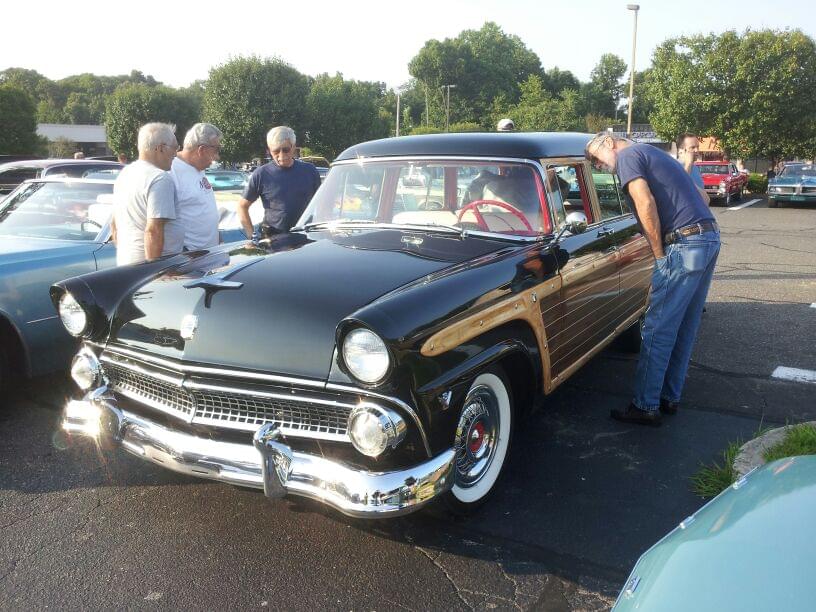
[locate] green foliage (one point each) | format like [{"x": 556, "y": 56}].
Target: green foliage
[
  {"x": 465, "y": 126},
  {"x": 798, "y": 440},
  {"x": 537, "y": 110},
  {"x": 480, "y": 63},
  {"x": 342, "y": 113},
  {"x": 605, "y": 88},
  {"x": 248, "y": 96},
  {"x": 18, "y": 122},
  {"x": 755, "y": 92},
  {"x": 757, "y": 183},
  {"x": 426, "y": 129},
  {"x": 62, "y": 148},
  {"x": 133, "y": 105},
  {"x": 711, "y": 479}
]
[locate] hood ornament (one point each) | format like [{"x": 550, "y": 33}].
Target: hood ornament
[{"x": 189, "y": 324}]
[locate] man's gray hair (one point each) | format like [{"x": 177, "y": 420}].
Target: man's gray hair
[
  {"x": 279, "y": 135},
  {"x": 597, "y": 139},
  {"x": 201, "y": 134},
  {"x": 151, "y": 135}
]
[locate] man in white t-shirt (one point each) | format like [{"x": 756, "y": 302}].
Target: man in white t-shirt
[
  {"x": 196, "y": 200},
  {"x": 146, "y": 222}
]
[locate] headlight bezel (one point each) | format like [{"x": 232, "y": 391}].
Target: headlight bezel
[
  {"x": 69, "y": 306},
  {"x": 391, "y": 425},
  {"x": 351, "y": 361}
]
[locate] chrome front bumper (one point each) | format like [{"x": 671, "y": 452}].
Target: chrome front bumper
[{"x": 268, "y": 463}]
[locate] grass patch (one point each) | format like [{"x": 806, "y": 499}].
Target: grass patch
[
  {"x": 799, "y": 440},
  {"x": 713, "y": 478}
]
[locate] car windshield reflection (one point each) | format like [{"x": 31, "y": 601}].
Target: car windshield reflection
[{"x": 496, "y": 197}]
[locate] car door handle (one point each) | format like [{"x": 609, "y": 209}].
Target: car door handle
[{"x": 605, "y": 231}]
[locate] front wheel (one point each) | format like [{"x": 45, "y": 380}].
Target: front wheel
[
  {"x": 772, "y": 203},
  {"x": 482, "y": 441}
]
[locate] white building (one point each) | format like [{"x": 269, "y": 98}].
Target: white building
[{"x": 90, "y": 139}]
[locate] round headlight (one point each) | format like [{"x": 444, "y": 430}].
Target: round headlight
[
  {"x": 365, "y": 355},
  {"x": 85, "y": 369},
  {"x": 73, "y": 316},
  {"x": 373, "y": 429}
]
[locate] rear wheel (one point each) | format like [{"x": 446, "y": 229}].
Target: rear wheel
[
  {"x": 482, "y": 441},
  {"x": 740, "y": 193}
]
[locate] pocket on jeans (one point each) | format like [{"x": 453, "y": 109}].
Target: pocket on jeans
[{"x": 695, "y": 258}]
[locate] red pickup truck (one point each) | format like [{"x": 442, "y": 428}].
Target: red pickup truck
[{"x": 722, "y": 180}]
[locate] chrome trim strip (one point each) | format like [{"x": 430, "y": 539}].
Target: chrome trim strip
[
  {"x": 181, "y": 367},
  {"x": 266, "y": 463},
  {"x": 293, "y": 398},
  {"x": 41, "y": 320},
  {"x": 137, "y": 368},
  {"x": 446, "y": 158},
  {"x": 393, "y": 400}
]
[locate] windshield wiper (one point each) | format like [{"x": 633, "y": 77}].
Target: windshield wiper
[
  {"x": 333, "y": 222},
  {"x": 439, "y": 226}
]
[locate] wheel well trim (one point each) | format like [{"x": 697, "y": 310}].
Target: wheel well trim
[{"x": 8, "y": 324}]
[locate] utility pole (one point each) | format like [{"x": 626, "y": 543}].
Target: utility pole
[
  {"x": 427, "y": 113},
  {"x": 635, "y": 8},
  {"x": 398, "y": 113},
  {"x": 447, "y": 105}
]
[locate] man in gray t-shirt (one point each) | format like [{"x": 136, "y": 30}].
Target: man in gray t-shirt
[{"x": 146, "y": 221}]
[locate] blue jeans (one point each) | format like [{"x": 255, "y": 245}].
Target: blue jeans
[{"x": 680, "y": 283}]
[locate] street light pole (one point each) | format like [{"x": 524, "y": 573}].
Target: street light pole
[
  {"x": 447, "y": 106},
  {"x": 634, "y": 8},
  {"x": 398, "y": 113}
]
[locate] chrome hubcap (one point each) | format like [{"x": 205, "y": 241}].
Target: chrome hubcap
[{"x": 476, "y": 436}]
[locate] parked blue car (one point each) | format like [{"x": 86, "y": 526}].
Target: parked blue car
[
  {"x": 796, "y": 183},
  {"x": 750, "y": 548},
  {"x": 50, "y": 230}
]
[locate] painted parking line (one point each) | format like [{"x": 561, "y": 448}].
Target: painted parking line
[
  {"x": 748, "y": 203},
  {"x": 795, "y": 374}
]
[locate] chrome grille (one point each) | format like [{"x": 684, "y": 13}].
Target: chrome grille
[
  {"x": 255, "y": 411},
  {"x": 151, "y": 390},
  {"x": 808, "y": 189},
  {"x": 235, "y": 408}
]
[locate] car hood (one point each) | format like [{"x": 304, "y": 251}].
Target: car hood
[
  {"x": 750, "y": 548},
  {"x": 276, "y": 309},
  {"x": 19, "y": 249}
]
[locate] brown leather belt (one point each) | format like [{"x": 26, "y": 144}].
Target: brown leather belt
[{"x": 690, "y": 230}]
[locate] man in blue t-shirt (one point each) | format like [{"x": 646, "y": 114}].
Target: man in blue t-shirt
[
  {"x": 685, "y": 241},
  {"x": 285, "y": 186}
]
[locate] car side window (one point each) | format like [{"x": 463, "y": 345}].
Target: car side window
[
  {"x": 572, "y": 189},
  {"x": 18, "y": 175},
  {"x": 609, "y": 198}
]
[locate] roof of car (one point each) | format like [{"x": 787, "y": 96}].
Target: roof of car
[
  {"x": 47, "y": 163},
  {"x": 68, "y": 179},
  {"x": 531, "y": 145}
]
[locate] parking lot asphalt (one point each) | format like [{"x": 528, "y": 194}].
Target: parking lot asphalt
[{"x": 583, "y": 495}]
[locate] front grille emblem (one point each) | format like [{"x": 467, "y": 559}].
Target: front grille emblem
[{"x": 189, "y": 324}]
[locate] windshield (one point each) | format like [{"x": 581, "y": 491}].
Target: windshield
[
  {"x": 67, "y": 211},
  {"x": 495, "y": 197},
  {"x": 798, "y": 171},
  {"x": 713, "y": 169}
]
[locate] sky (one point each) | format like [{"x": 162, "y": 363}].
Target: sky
[{"x": 179, "y": 42}]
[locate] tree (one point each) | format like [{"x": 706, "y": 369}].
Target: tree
[
  {"x": 18, "y": 122},
  {"x": 538, "y": 110},
  {"x": 62, "y": 148},
  {"x": 605, "y": 88},
  {"x": 133, "y": 105},
  {"x": 755, "y": 92},
  {"x": 482, "y": 64},
  {"x": 342, "y": 113},
  {"x": 247, "y": 96}
]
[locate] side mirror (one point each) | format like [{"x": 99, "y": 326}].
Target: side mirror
[{"x": 576, "y": 223}]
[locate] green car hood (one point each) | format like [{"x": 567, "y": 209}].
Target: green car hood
[{"x": 753, "y": 547}]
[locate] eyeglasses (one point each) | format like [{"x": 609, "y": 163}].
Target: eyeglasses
[
  {"x": 284, "y": 150},
  {"x": 175, "y": 147}
]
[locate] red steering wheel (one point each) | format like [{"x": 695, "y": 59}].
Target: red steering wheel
[{"x": 480, "y": 219}]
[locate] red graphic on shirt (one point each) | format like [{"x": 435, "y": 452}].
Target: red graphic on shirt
[{"x": 205, "y": 184}]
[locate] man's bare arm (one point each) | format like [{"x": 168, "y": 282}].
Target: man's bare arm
[
  {"x": 154, "y": 238},
  {"x": 243, "y": 216},
  {"x": 647, "y": 213},
  {"x": 113, "y": 230}
]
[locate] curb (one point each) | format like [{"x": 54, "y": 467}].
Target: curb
[{"x": 750, "y": 453}]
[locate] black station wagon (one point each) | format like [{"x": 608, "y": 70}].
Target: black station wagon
[{"x": 380, "y": 354}]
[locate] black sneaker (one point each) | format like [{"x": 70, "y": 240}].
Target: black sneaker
[{"x": 633, "y": 414}]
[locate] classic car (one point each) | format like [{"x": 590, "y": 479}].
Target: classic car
[
  {"x": 722, "y": 181},
  {"x": 14, "y": 173},
  {"x": 796, "y": 183},
  {"x": 51, "y": 229},
  {"x": 226, "y": 180},
  {"x": 750, "y": 548},
  {"x": 378, "y": 356}
]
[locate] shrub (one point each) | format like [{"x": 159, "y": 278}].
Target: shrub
[
  {"x": 465, "y": 126},
  {"x": 757, "y": 183}
]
